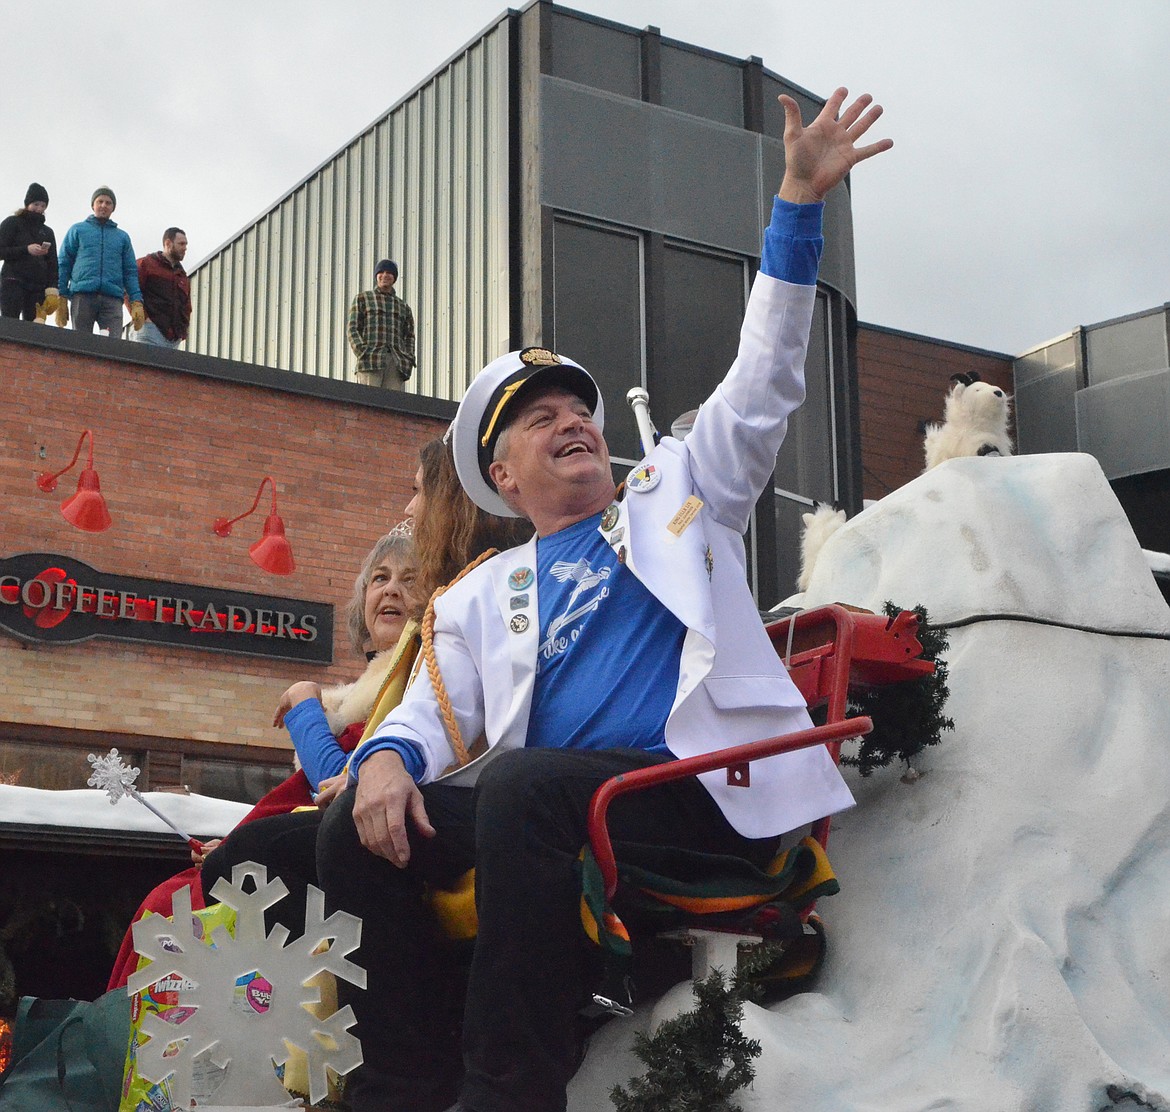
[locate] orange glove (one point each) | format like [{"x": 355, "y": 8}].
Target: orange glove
[
  {"x": 137, "y": 315},
  {"x": 49, "y": 305},
  {"x": 62, "y": 312}
]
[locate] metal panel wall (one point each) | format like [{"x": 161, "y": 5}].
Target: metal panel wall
[
  {"x": 1125, "y": 423},
  {"x": 1127, "y": 346},
  {"x": 595, "y": 149},
  {"x": 426, "y": 185}
]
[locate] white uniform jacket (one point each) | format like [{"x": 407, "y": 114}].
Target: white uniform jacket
[{"x": 732, "y": 686}]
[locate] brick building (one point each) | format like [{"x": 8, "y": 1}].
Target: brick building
[
  {"x": 902, "y": 380},
  {"x": 181, "y": 440}
]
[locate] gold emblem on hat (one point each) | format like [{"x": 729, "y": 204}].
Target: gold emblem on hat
[{"x": 539, "y": 357}]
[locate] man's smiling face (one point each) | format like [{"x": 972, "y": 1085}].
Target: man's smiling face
[{"x": 552, "y": 458}]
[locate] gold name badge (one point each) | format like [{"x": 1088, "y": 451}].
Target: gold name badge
[{"x": 687, "y": 513}]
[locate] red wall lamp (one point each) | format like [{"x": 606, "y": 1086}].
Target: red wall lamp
[
  {"x": 87, "y": 508},
  {"x": 272, "y": 552}
]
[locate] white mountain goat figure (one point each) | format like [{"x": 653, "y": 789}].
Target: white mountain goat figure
[{"x": 975, "y": 422}]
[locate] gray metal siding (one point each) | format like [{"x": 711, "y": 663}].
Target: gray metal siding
[
  {"x": 595, "y": 150},
  {"x": 1125, "y": 423},
  {"x": 426, "y": 185}
]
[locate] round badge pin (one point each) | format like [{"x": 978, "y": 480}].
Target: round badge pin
[
  {"x": 644, "y": 477},
  {"x": 518, "y": 623},
  {"x": 609, "y": 516},
  {"x": 521, "y": 579}
]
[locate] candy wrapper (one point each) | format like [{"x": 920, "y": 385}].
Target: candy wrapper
[{"x": 161, "y": 998}]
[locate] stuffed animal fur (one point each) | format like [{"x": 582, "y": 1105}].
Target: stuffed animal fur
[
  {"x": 975, "y": 423},
  {"x": 819, "y": 526}
]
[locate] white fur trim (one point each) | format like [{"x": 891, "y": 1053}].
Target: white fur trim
[{"x": 348, "y": 703}]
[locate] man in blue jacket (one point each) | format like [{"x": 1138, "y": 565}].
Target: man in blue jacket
[{"x": 96, "y": 269}]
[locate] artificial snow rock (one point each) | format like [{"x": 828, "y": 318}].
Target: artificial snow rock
[
  {"x": 1000, "y": 941},
  {"x": 1041, "y": 536},
  {"x": 249, "y": 994}
]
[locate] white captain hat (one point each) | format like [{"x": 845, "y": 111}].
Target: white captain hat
[{"x": 483, "y": 413}]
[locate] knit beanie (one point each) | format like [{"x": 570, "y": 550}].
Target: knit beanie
[
  {"x": 36, "y": 192},
  {"x": 387, "y": 264},
  {"x": 103, "y": 191}
]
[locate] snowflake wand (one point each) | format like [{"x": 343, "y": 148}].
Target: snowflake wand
[{"x": 116, "y": 778}]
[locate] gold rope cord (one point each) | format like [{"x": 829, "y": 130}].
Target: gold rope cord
[{"x": 428, "y": 648}]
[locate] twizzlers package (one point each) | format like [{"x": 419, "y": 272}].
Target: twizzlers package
[{"x": 162, "y": 999}]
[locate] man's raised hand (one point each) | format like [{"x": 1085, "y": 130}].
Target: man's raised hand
[{"x": 817, "y": 157}]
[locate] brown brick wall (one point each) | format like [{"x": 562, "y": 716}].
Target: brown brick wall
[
  {"x": 174, "y": 451},
  {"x": 903, "y": 380}
]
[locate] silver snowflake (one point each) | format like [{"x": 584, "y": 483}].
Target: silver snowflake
[
  {"x": 245, "y": 1041},
  {"x": 112, "y": 775}
]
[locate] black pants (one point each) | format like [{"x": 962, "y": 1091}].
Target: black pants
[
  {"x": 18, "y": 302},
  {"x": 287, "y": 846},
  {"x": 522, "y": 827}
]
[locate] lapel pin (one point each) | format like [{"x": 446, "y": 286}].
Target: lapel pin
[
  {"x": 521, "y": 579},
  {"x": 644, "y": 477}
]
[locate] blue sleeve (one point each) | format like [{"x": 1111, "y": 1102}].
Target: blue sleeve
[
  {"x": 65, "y": 262},
  {"x": 407, "y": 750},
  {"x": 793, "y": 243},
  {"x": 317, "y": 748},
  {"x": 130, "y": 270}
]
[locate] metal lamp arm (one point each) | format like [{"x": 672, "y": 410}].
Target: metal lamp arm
[
  {"x": 223, "y": 525},
  {"x": 47, "y": 480}
]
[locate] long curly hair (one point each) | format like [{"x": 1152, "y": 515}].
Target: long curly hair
[{"x": 453, "y": 530}]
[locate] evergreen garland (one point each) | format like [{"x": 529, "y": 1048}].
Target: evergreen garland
[
  {"x": 697, "y": 1061},
  {"x": 907, "y": 717}
]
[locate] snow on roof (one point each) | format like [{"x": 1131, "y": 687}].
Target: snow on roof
[
  {"x": 199, "y": 815},
  {"x": 1158, "y": 561}
]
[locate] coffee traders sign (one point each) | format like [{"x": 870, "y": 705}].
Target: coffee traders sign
[{"x": 45, "y": 597}]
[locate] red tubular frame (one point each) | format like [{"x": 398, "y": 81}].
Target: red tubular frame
[
  {"x": 865, "y": 648},
  {"x": 831, "y": 734}
]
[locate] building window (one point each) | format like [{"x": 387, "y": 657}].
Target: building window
[
  {"x": 704, "y": 296},
  {"x": 806, "y": 466},
  {"x": 235, "y": 780},
  {"x": 51, "y": 767},
  {"x": 702, "y": 85},
  {"x": 598, "y": 316}
]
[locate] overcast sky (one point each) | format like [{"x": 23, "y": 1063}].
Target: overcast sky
[{"x": 1026, "y": 193}]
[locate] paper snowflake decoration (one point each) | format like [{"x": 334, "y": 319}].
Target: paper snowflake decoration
[
  {"x": 112, "y": 775},
  {"x": 245, "y": 1037}
]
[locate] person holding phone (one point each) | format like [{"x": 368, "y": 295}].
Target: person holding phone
[{"x": 28, "y": 279}]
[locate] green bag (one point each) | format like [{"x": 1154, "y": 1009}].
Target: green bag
[{"x": 67, "y": 1055}]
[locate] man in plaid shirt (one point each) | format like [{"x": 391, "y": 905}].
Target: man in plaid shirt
[{"x": 381, "y": 332}]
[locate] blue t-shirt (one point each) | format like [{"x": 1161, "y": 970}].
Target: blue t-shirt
[{"x": 607, "y": 664}]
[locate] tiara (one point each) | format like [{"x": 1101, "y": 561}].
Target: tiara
[{"x": 405, "y": 528}]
